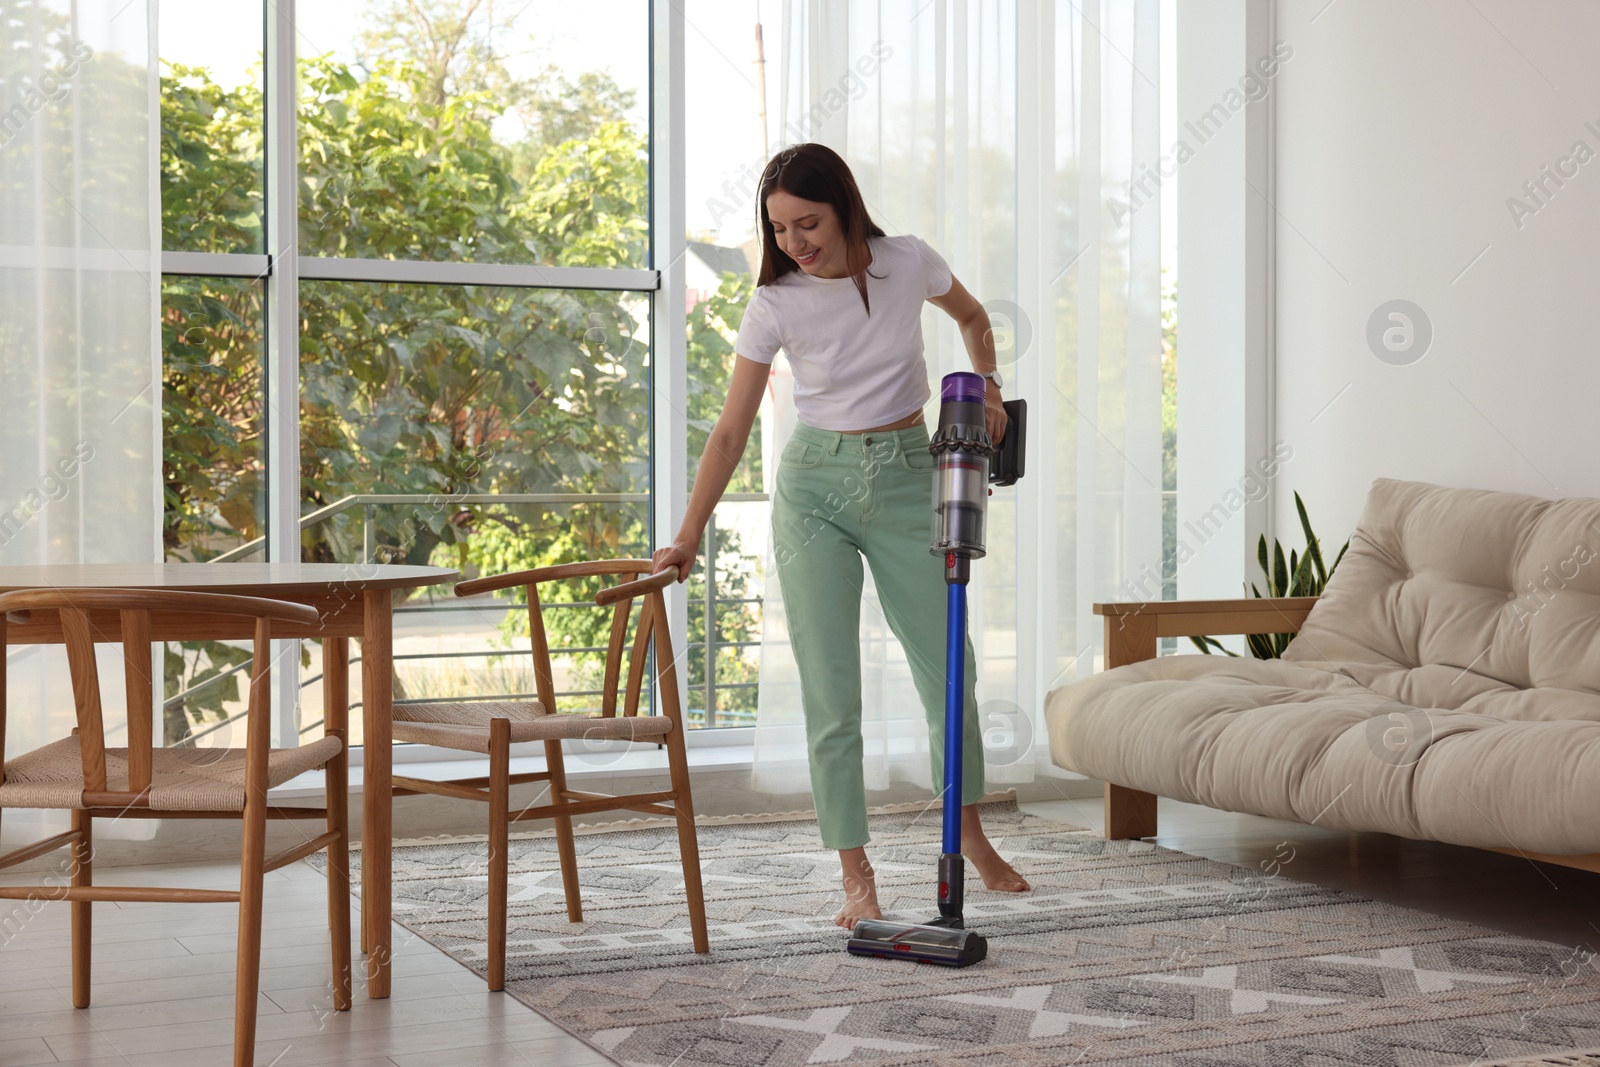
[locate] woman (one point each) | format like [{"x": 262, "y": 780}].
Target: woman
[{"x": 844, "y": 302}]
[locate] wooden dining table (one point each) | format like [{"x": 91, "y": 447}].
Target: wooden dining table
[{"x": 352, "y": 600}]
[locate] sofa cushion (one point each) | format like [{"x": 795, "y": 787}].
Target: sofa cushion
[
  {"x": 1445, "y": 687},
  {"x": 1463, "y": 598},
  {"x": 1300, "y": 742}
]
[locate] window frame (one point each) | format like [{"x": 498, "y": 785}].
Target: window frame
[{"x": 281, "y": 267}]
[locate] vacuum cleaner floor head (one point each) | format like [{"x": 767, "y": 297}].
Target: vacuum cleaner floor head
[{"x": 942, "y": 945}]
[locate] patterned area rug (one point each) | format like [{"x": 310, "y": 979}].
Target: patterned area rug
[{"x": 1123, "y": 953}]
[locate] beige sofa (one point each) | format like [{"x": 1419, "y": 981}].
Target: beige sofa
[{"x": 1446, "y": 687}]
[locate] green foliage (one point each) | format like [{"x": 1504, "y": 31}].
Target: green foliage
[
  {"x": 201, "y": 667},
  {"x": 459, "y": 48},
  {"x": 435, "y": 391},
  {"x": 212, "y": 456},
  {"x": 384, "y": 177},
  {"x": 211, "y": 183},
  {"x": 211, "y": 195},
  {"x": 735, "y": 622},
  {"x": 502, "y": 540},
  {"x": 1300, "y": 576},
  {"x": 501, "y": 543},
  {"x": 713, "y": 325},
  {"x": 448, "y": 389}
]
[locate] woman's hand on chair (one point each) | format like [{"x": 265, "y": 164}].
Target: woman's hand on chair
[{"x": 674, "y": 556}]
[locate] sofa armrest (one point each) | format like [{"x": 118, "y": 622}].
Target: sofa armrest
[{"x": 1132, "y": 628}]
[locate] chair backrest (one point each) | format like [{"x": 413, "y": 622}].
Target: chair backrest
[
  {"x": 95, "y": 616},
  {"x": 647, "y": 635}
]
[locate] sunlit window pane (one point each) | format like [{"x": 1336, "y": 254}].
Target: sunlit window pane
[
  {"x": 728, "y": 130},
  {"x": 211, "y": 125},
  {"x": 426, "y": 411},
  {"x": 438, "y": 131},
  {"x": 212, "y": 405},
  {"x": 213, "y": 459}
]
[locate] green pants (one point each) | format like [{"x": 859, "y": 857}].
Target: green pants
[{"x": 840, "y": 497}]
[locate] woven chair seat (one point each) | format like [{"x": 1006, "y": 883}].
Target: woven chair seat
[
  {"x": 470, "y": 712},
  {"x": 182, "y": 779},
  {"x": 465, "y": 726}
]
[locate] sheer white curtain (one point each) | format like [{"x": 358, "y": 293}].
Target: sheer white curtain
[
  {"x": 80, "y": 278},
  {"x": 999, "y": 131}
]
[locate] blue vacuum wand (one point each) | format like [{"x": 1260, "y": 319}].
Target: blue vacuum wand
[{"x": 964, "y": 453}]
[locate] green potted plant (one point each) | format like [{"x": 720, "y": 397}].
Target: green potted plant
[{"x": 1297, "y": 576}]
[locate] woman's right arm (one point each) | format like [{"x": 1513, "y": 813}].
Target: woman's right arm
[{"x": 723, "y": 450}]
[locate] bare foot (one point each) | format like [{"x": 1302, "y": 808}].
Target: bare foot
[
  {"x": 860, "y": 889},
  {"x": 996, "y": 873}
]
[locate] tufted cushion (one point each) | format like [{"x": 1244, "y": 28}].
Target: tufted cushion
[
  {"x": 1445, "y": 687},
  {"x": 1463, "y": 598}
]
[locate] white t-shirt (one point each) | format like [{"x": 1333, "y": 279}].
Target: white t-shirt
[{"x": 851, "y": 369}]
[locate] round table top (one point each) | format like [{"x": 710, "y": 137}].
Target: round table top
[{"x": 240, "y": 578}]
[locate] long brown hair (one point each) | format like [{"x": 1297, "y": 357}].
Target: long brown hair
[{"x": 816, "y": 172}]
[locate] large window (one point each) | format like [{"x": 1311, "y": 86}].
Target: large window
[
  {"x": 458, "y": 282},
  {"x": 429, "y": 340}
]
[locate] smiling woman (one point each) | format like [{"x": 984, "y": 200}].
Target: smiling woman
[
  {"x": 855, "y": 480},
  {"x": 991, "y": 130}
]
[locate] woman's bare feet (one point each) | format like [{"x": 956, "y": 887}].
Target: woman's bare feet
[
  {"x": 996, "y": 873},
  {"x": 860, "y": 890}
]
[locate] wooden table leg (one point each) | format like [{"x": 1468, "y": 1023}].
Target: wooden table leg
[
  {"x": 377, "y": 696},
  {"x": 336, "y": 719}
]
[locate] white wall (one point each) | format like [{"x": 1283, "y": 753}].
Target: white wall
[{"x": 1402, "y": 130}]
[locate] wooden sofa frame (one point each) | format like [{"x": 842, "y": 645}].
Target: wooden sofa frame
[{"x": 1133, "y": 633}]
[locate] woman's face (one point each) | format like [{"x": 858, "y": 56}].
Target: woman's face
[{"x": 809, "y": 233}]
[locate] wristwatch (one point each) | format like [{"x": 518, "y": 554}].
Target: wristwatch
[{"x": 993, "y": 376}]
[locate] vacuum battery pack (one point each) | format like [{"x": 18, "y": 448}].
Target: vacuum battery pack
[{"x": 1010, "y": 461}]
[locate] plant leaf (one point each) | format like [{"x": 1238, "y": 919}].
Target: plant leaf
[
  {"x": 1313, "y": 546},
  {"x": 1337, "y": 558},
  {"x": 1303, "y": 580}
]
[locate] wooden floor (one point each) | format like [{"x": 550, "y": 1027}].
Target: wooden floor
[
  {"x": 164, "y": 974},
  {"x": 163, "y": 989},
  {"x": 1499, "y": 891}
]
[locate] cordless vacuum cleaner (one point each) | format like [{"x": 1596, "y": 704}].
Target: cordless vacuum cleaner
[{"x": 968, "y": 463}]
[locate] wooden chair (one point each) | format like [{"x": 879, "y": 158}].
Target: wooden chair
[
  {"x": 80, "y": 774},
  {"x": 492, "y": 728}
]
